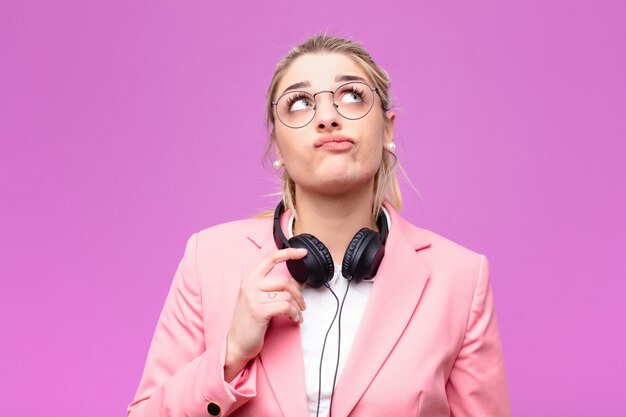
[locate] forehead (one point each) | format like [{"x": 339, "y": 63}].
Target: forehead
[{"x": 320, "y": 70}]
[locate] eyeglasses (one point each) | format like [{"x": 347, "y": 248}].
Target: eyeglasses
[{"x": 296, "y": 109}]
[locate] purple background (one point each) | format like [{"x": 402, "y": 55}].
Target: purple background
[{"x": 127, "y": 126}]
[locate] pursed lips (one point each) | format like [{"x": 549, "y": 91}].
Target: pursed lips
[{"x": 334, "y": 141}]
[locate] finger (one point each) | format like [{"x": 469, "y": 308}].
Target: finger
[
  {"x": 279, "y": 296},
  {"x": 277, "y": 257},
  {"x": 299, "y": 318},
  {"x": 286, "y": 308},
  {"x": 274, "y": 296},
  {"x": 282, "y": 283}
]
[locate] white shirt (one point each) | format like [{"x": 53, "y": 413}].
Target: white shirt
[{"x": 321, "y": 308}]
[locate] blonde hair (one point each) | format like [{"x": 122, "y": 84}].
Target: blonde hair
[{"x": 386, "y": 187}]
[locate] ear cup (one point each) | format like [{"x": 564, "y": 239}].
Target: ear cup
[
  {"x": 317, "y": 267},
  {"x": 346, "y": 266},
  {"x": 363, "y": 255}
]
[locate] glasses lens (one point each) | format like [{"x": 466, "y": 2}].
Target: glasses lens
[
  {"x": 296, "y": 109},
  {"x": 354, "y": 100}
]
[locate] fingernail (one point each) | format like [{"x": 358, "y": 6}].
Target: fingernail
[{"x": 301, "y": 250}]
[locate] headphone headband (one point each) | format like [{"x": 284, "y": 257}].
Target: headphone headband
[
  {"x": 282, "y": 242},
  {"x": 279, "y": 236}
]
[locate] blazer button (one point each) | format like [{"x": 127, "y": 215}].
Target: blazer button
[{"x": 214, "y": 409}]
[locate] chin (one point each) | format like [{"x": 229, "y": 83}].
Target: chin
[{"x": 340, "y": 185}]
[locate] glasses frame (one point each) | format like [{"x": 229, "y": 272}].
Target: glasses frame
[{"x": 335, "y": 105}]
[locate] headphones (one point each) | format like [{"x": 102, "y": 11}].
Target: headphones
[{"x": 361, "y": 260}]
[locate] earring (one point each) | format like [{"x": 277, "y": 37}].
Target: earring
[
  {"x": 277, "y": 164},
  {"x": 391, "y": 147}
]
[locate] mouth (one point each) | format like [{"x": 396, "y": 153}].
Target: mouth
[{"x": 334, "y": 143}]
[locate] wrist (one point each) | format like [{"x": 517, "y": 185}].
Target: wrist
[{"x": 234, "y": 363}]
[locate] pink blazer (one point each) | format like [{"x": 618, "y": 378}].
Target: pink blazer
[{"x": 428, "y": 343}]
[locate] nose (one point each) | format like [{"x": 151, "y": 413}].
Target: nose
[{"x": 326, "y": 116}]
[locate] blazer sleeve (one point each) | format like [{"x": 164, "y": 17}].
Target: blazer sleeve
[
  {"x": 182, "y": 376},
  {"x": 477, "y": 386}
]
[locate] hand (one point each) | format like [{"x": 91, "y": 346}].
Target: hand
[{"x": 261, "y": 297}]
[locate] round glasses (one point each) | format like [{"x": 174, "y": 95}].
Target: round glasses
[{"x": 296, "y": 109}]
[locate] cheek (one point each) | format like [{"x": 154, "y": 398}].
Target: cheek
[
  {"x": 284, "y": 142},
  {"x": 376, "y": 158},
  {"x": 370, "y": 159},
  {"x": 373, "y": 151},
  {"x": 293, "y": 151}
]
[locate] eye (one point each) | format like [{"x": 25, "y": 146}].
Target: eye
[
  {"x": 297, "y": 102},
  {"x": 351, "y": 95}
]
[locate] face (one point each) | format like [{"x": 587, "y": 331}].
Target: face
[{"x": 331, "y": 154}]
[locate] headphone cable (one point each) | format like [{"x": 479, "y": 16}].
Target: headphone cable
[
  {"x": 332, "y": 394},
  {"x": 319, "y": 385}
]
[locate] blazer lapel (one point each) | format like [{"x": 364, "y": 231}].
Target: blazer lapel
[
  {"x": 396, "y": 291},
  {"x": 282, "y": 355},
  {"x": 282, "y": 359}
]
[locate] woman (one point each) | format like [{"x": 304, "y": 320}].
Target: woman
[{"x": 384, "y": 318}]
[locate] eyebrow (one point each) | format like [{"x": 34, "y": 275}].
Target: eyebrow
[
  {"x": 303, "y": 84},
  {"x": 300, "y": 84},
  {"x": 350, "y": 78}
]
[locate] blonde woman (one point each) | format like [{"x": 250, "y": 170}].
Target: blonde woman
[{"x": 337, "y": 305}]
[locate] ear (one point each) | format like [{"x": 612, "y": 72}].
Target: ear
[{"x": 388, "y": 133}]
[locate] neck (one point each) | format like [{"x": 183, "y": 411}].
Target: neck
[{"x": 334, "y": 219}]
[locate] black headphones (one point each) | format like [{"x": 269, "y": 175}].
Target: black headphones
[{"x": 361, "y": 260}]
